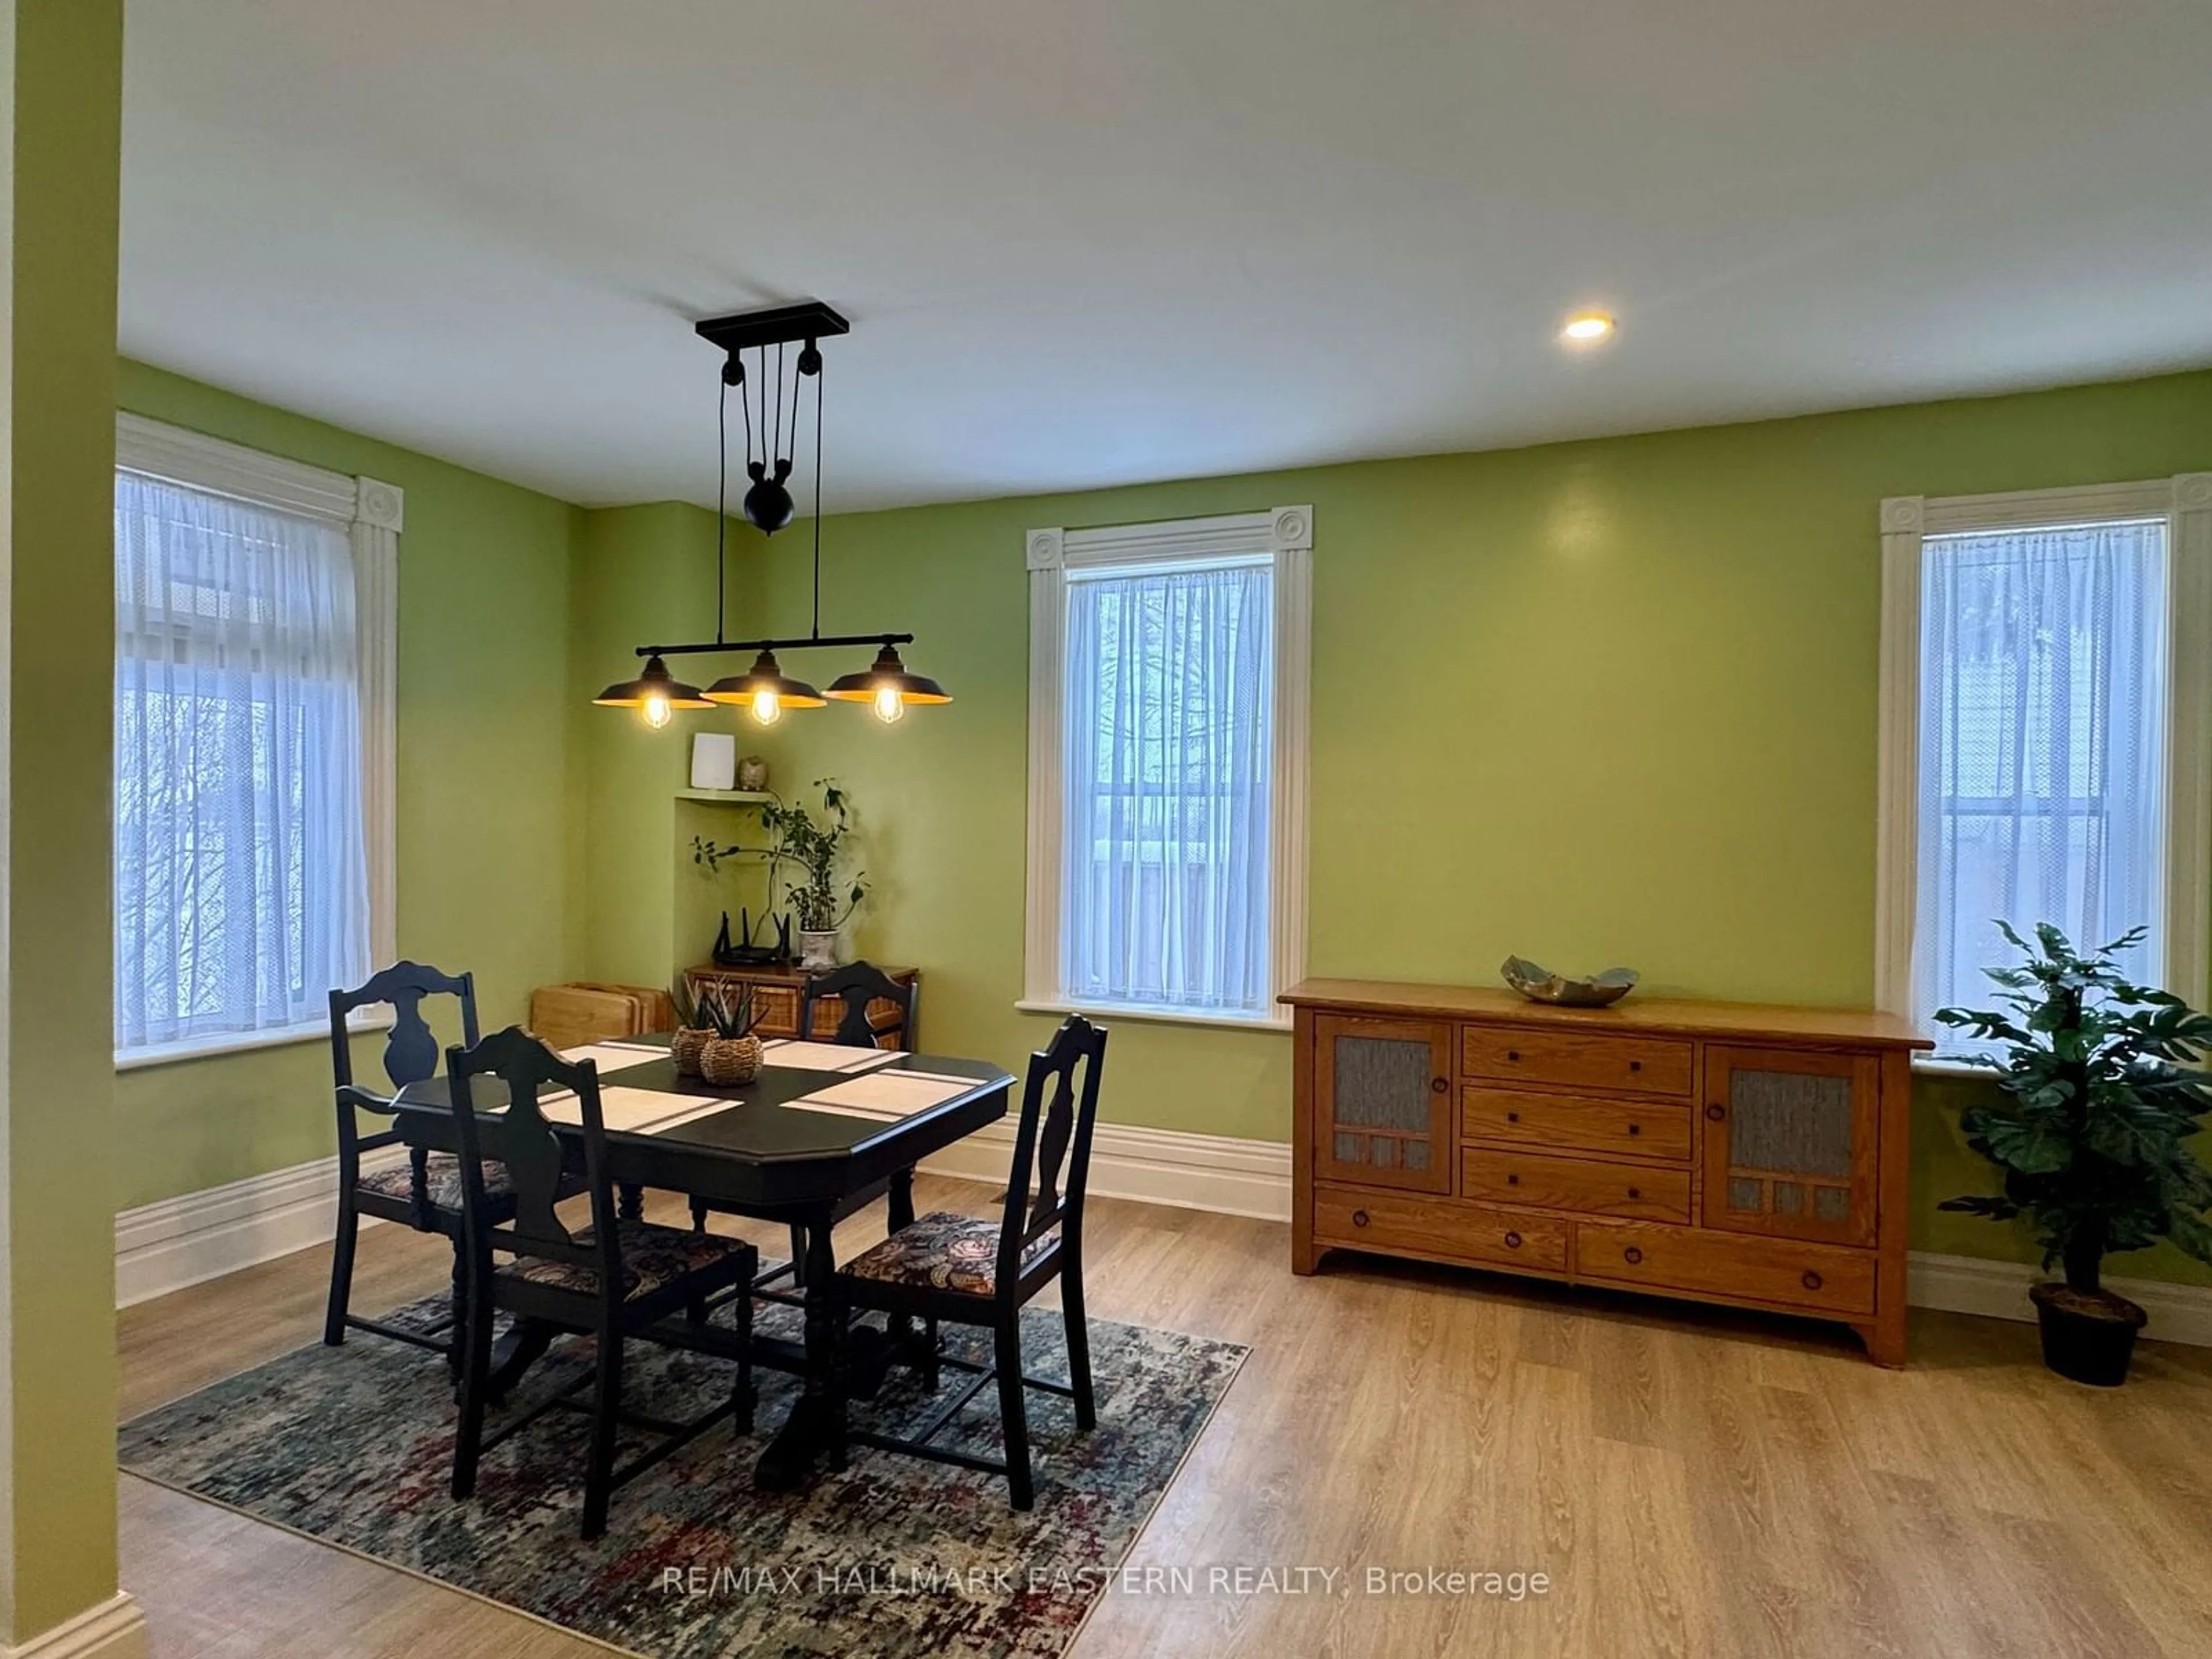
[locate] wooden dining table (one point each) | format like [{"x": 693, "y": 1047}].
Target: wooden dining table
[{"x": 763, "y": 1150}]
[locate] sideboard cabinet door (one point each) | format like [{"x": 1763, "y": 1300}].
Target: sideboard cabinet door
[
  {"x": 1383, "y": 1102},
  {"x": 1791, "y": 1142}
]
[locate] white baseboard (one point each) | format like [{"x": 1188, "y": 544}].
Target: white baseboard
[
  {"x": 1998, "y": 1290},
  {"x": 165, "y": 1246},
  {"x": 116, "y": 1629},
  {"x": 1155, "y": 1166},
  {"x": 179, "y": 1241}
]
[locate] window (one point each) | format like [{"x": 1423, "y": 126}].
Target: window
[
  {"x": 252, "y": 749},
  {"x": 2044, "y": 735},
  {"x": 1168, "y": 673}
]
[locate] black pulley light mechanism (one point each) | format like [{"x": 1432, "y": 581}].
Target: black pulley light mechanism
[{"x": 765, "y": 689}]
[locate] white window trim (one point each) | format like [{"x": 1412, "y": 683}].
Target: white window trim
[
  {"x": 2186, "y": 502},
  {"x": 1284, "y": 532},
  {"x": 372, "y": 514}
]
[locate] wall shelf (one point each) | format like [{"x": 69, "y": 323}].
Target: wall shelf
[{"x": 726, "y": 797}]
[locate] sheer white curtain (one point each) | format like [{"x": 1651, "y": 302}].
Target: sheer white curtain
[
  {"x": 2043, "y": 687},
  {"x": 1167, "y": 773},
  {"x": 241, "y": 870}
]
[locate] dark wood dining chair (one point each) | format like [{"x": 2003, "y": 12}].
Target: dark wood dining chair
[
  {"x": 973, "y": 1270},
  {"x": 423, "y": 1192},
  {"x": 613, "y": 1281},
  {"x": 857, "y": 986}
]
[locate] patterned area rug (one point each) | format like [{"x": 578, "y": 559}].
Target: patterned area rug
[{"x": 896, "y": 1558}]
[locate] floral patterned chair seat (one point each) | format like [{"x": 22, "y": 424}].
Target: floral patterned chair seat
[
  {"x": 652, "y": 1256},
  {"x": 951, "y": 1252},
  {"x": 441, "y": 1184}
]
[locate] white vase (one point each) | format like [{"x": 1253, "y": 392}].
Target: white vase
[{"x": 818, "y": 950}]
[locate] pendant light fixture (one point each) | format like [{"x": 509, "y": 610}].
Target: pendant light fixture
[
  {"x": 764, "y": 690},
  {"x": 888, "y": 688},
  {"x": 656, "y": 694}
]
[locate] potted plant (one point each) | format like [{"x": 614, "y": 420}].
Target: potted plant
[
  {"x": 716, "y": 1040},
  {"x": 820, "y": 902},
  {"x": 2102, "y": 1085}
]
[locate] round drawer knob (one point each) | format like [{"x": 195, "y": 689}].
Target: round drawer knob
[
  {"x": 1716, "y": 1111},
  {"x": 1636, "y": 1129},
  {"x": 1437, "y": 1085},
  {"x": 1636, "y": 1191},
  {"x": 1512, "y": 1241},
  {"x": 1513, "y": 1180},
  {"x": 1513, "y": 1117},
  {"x": 1635, "y": 1065},
  {"x": 1359, "y": 1217},
  {"x": 1811, "y": 1280},
  {"x": 1512, "y": 1054},
  {"x": 1632, "y": 1255}
]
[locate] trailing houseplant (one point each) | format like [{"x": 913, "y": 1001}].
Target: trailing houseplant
[
  {"x": 803, "y": 855},
  {"x": 2102, "y": 1085},
  {"x": 807, "y": 853}
]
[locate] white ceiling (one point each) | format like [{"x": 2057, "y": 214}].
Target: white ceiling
[{"x": 1092, "y": 241}]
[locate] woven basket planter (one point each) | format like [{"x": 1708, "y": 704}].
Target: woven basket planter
[
  {"x": 728, "y": 1060},
  {"x": 687, "y": 1046}
]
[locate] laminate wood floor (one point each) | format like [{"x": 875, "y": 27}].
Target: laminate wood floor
[{"x": 1689, "y": 1482}]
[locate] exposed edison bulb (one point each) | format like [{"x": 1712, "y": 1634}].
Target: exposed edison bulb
[
  {"x": 891, "y": 708},
  {"x": 767, "y": 707},
  {"x": 656, "y": 711}
]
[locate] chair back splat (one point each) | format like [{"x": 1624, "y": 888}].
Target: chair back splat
[
  {"x": 1048, "y": 1132},
  {"x": 858, "y": 985},
  {"x": 506, "y": 1122},
  {"x": 410, "y": 1052}
]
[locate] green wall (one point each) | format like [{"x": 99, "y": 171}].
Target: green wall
[
  {"x": 68, "y": 102},
  {"x": 1597, "y": 703},
  {"x": 490, "y": 841}
]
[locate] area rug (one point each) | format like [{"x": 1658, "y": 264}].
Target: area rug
[{"x": 895, "y": 1558}]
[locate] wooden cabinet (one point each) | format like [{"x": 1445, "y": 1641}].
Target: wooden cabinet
[
  {"x": 777, "y": 994},
  {"x": 1791, "y": 1142},
  {"x": 1716, "y": 1152},
  {"x": 1382, "y": 1101}
]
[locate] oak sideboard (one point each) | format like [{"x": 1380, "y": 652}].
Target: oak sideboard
[{"x": 1726, "y": 1152}]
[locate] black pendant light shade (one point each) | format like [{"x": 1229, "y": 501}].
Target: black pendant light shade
[
  {"x": 656, "y": 691},
  {"x": 765, "y": 688},
  {"x": 889, "y": 686}
]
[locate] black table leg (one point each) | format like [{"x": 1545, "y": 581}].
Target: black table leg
[
  {"x": 816, "y": 1427},
  {"x": 523, "y": 1346},
  {"x": 900, "y": 1202},
  {"x": 900, "y": 1205},
  {"x": 630, "y": 1203}
]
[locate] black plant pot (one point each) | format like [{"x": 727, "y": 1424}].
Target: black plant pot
[{"x": 2088, "y": 1335}]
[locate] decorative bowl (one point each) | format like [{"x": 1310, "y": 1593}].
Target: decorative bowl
[{"x": 1540, "y": 984}]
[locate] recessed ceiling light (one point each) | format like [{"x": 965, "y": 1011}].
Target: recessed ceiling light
[{"x": 1586, "y": 328}]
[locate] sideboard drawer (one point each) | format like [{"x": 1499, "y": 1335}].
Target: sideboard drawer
[
  {"x": 1651, "y": 1066},
  {"x": 1437, "y": 1226},
  {"x": 1654, "y": 1129},
  {"x": 1570, "y": 1184},
  {"x": 1820, "y": 1279}
]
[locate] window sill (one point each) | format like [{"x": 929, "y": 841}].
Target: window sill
[
  {"x": 1940, "y": 1067},
  {"x": 171, "y": 1054},
  {"x": 1160, "y": 1015}
]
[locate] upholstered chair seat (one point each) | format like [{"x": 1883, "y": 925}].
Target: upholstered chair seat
[
  {"x": 652, "y": 1256},
  {"x": 950, "y": 1252},
  {"x": 441, "y": 1181}
]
